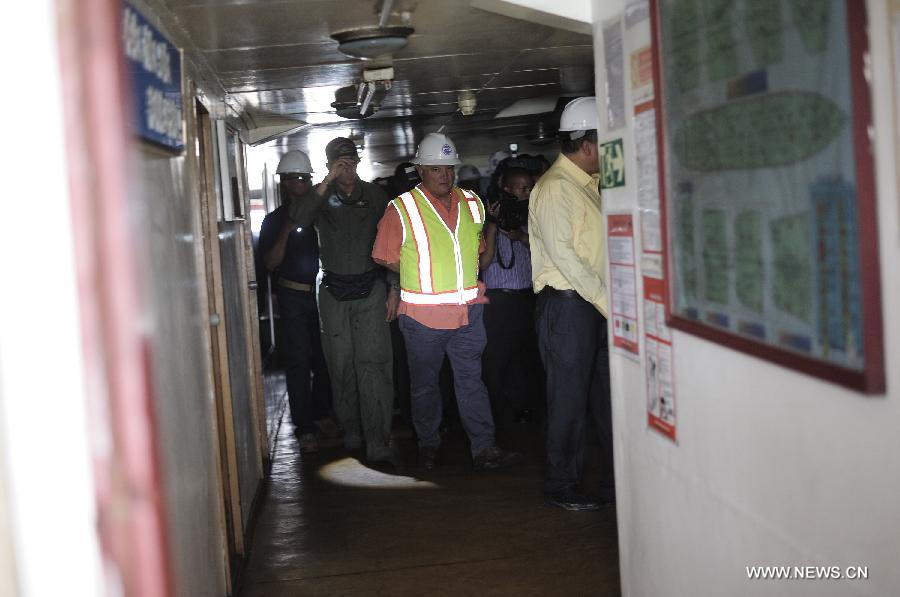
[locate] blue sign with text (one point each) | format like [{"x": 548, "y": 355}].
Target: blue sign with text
[{"x": 155, "y": 66}]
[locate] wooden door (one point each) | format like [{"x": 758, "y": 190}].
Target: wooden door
[{"x": 227, "y": 451}]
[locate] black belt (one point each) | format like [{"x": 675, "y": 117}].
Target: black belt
[{"x": 550, "y": 291}]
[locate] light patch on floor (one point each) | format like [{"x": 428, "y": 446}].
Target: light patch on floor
[{"x": 350, "y": 472}]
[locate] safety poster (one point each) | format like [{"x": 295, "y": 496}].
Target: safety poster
[
  {"x": 660, "y": 369},
  {"x": 623, "y": 282}
]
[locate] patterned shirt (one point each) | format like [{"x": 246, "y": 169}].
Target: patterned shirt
[{"x": 517, "y": 259}]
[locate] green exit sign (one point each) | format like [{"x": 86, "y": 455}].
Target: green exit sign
[{"x": 612, "y": 165}]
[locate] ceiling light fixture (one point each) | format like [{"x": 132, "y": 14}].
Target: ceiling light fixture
[
  {"x": 372, "y": 42},
  {"x": 467, "y": 102}
]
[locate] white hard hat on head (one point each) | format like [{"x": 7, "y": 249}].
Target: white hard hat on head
[
  {"x": 494, "y": 161},
  {"x": 468, "y": 172},
  {"x": 436, "y": 149},
  {"x": 294, "y": 161},
  {"x": 579, "y": 115}
]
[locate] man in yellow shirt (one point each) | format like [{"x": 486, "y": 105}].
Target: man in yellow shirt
[{"x": 568, "y": 256}]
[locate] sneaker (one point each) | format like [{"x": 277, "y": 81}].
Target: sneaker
[
  {"x": 308, "y": 443},
  {"x": 427, "y": 457},
  {"x": 494, "y": 458},
  {"x": 571, "y": 500}
]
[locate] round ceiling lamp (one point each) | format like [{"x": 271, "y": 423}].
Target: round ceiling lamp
[{"x": 372, "y": 42}]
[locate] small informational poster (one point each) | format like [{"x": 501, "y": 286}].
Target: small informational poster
[
  {"x": 659, "y": 360},
  {"x": 615, "y": 74},
  {"x": 647, "y": 176},
  {"x": 623, "y": 283},
  {"x": 636, "y": 12},
  {"x": 895, "y": 35},
  {"x": 641, "y": 63}
]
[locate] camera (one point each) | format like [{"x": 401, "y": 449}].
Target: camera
[
  {"x": 526, "y": 162},
  {"x": 513, "y": 214}
]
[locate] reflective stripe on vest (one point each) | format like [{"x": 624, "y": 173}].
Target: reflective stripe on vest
[
  {"x": 473, "y": 209},
  {"x": 454, "y": 297},
  {"x": 420, "y": 236},
  {"x": 426, "y": 237}
]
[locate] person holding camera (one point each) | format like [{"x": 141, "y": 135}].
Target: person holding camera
[
  {"x": 568, "y": 252},
  {"x": 511, "y": 363}
]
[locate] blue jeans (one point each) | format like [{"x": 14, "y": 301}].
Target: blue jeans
[
  {"x": 572, "y": 339},
  {"x": 464, "y": 346}
]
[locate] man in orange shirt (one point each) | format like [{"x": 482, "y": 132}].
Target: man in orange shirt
[{"x": 431, "y": 235}]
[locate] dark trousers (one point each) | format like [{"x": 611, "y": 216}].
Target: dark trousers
[
  {"x": 357, "y": 344},
  {"x": 572, "y": 338},
  {"x": 401, "y": 380},
  {"x": 401, "y": 372},
  {"x": 426, "y": 348},
  {"x": 300, "y": 352},
  {"x": 512, "y": 366}
]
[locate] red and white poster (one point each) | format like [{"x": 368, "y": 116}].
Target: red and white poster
[
  {"x": 623, "y": 282},
  {"x": 659, "y": 359}
]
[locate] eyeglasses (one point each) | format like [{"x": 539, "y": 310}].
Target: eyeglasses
[{"x": 301, "y": 177}]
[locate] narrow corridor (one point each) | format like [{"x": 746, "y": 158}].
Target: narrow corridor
[{"x": 329, "y": 525}]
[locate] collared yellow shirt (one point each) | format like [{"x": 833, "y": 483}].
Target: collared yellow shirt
[{"x": 567, "y": 233}]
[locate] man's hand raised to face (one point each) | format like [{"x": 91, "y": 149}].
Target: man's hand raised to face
[
  {"x": 342, "y": 170},
  {"x": 337, "y": 171}
]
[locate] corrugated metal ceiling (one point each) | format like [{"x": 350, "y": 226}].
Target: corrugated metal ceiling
[{"x": 277, "y": 56}]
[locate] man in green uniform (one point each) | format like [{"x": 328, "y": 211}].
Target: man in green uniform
[{"x": 354, "y": 304}]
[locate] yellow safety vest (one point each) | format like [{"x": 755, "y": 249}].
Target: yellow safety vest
[{"x": 439, "y": 266}]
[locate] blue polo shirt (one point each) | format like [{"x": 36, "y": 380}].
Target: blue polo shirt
[{"x": 301, "y": 257}]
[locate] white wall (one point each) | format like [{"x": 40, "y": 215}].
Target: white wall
[
  {"x": 771, "y": 466},
  {"x": 49, "y": 521},
  {"x": 165, "y": 205},
  {"x": 168, "y": 204},
  {"x": 569, "y": 12}
]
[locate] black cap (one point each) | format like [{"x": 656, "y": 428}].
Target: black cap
[{"x": 340, "y": 147}]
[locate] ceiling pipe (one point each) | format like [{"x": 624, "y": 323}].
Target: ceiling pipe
[
  {"x": 370, "y": 91},
  {"x": 385, "y": 12}
]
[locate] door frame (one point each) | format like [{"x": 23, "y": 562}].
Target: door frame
[
  {"x": 251, "y": 308},
  {"x": 226, "y": 450}
]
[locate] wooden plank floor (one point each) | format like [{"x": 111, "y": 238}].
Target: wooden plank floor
[{"x": 330, "y": 525}]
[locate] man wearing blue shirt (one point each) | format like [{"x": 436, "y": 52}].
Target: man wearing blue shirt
[{"x": 291, "y": 254}]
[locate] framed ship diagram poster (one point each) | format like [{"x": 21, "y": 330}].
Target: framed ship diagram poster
[{"x": 767, "y": 184}]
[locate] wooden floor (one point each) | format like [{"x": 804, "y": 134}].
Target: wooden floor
[{"x": 330, "y": 525}]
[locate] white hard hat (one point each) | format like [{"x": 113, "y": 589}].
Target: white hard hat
[
  {"x": 468, "y": 172},
  {"x": 294, "y": 162},
  {"x": 494, "y": 161},
  {"x": 436, "y": 149},
  {"x": 579, "y": 115}
]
